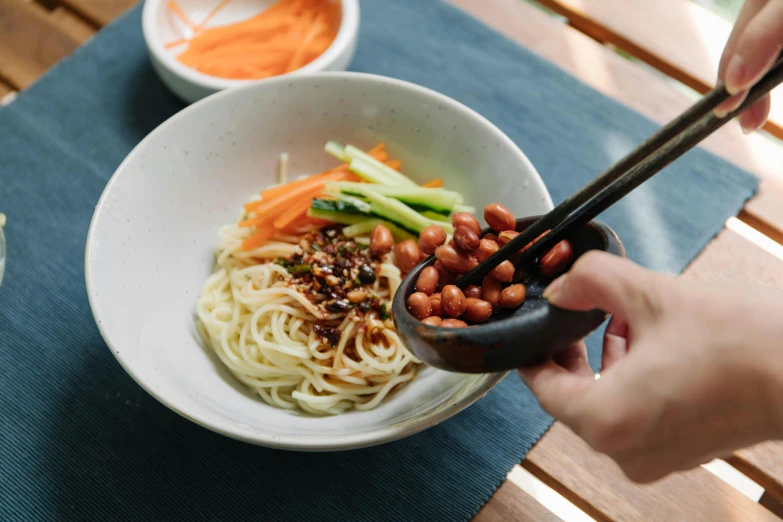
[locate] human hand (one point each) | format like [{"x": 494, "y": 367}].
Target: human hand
[
  {"x": 691, "y": 370},
  {"x": 750, "y": 52}
]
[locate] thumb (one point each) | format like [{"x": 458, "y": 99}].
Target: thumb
[
  {"x": 757, "y": 48},
  {"x": 606, "y": 282}
]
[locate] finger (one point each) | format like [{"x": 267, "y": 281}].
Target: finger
[
  {"x": 757, "y": 48},
  {"x": 730, "y": 105},
  {"x": 616, "y": 342},
  {"x": 755, "y": 116},
  {"x": 574, "y": 359},
  {"x": 749, "y": 9},
  {"x": 606, "y": 282},
  {"x": 555, "y": 387}
]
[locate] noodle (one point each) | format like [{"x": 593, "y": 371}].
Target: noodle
[{"x": 267, "y": 329}]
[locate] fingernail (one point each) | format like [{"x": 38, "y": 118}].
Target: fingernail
[
  {"x": 553, "y": 290},
  {"x": 730, "y": 105},
  {"x": 736, "y": 75},
  {"x": 740, "y": 78},
  {"x": 750, "y": 130}
]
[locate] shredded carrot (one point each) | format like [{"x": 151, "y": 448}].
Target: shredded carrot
[
  {"x": 281, "y": 203},
  {"x": 259, "y": 238},
  {"x": 179, "y": 13},
  {"x": 293, "y": 213},
  {"x": 282, "y": 209},
  {"x": 339, "y": 174},
  {"x": 433, "y": 183},
  {"x": 212, "y": 13},
  {"x": 288, "y": 35},
  {"x": 394, "y": 164},
  {"x": 381, "y": 147},
  {"x": 258, "y": 222}
]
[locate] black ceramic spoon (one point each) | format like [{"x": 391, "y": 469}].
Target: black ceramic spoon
[
  {"x": 538, "y": 330},
  {"x": 524, "y": 336}
]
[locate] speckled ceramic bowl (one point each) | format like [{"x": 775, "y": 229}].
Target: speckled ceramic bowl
[{"x": 152, "y": 238}]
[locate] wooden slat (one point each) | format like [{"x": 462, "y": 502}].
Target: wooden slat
[
  {"x": 772, "y": 503},
  {"x": 99, "y": 12},
  {"x": 640, "y": 89},
  {"x": 560, "y": 458},
  {"x": 597, "y": 486},
  {"x": 30, "y": 42},
  {"x": 678, "y": 37},
  {"x": 71, "y": 23},
  {"x": 566, "y": 463},
  {"x": 5, "y": 89},
  {"x": 511, "y": 503},
  {"x": 764, "y": 465}
]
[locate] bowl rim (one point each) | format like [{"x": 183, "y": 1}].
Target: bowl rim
[
  {"x": 336, "y": 442},
  {"x": 346, "y": 35}
]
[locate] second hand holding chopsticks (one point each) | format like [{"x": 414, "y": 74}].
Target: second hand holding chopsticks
[{"x": 649, "y": 158}]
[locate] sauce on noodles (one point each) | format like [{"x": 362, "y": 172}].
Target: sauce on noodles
[{"x": 303, "y": 320}]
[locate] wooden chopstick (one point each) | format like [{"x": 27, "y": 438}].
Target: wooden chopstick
[{"x": 649, "y": 158}]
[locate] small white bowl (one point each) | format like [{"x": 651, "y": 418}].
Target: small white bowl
[
  {"x": 154, "y": 232},
  {"x": 160, "y": 26}
]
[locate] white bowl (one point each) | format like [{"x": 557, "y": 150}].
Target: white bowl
[
  {"x": 152, "y": 238},
  {"x": 160, "y": 26}
]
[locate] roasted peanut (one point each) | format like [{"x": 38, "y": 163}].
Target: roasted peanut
[
  {"x": 536, "y": 239},
  {"x": 556, "y": 260},
  {"x": 506, "y": 236},
  {"x": 491, "y": 237},
  {"x": 357, "y": 296},
  {"x": 464, "y": 218},
  {"x": 431, "y": 238},
  {"x": 465, "y": 239},
  {"x": 407, "y": 255},
  {"x": 445, "y": 276},
  {"x": 452, "y": 300},
  {"x": 381, "y": 242},
  {"x": 490, "y": 291},
  {"x": 477, "y": 310},
  {"x": 512, "y": 296},
  {"x": 432, "y": 320},
  {"x": 453, "y": 323},
  {"x": 486, "y": 248},
  {"x": 504, "y": 272},
  {"x": 419, "y": 305},
  {"x": 473, "y": 291},
  {"x": 453, "y": 260},
  {"x": 427, "y": 281},
  {"x": 436, "y": 304},
  {"x": 499, "y": 218}
]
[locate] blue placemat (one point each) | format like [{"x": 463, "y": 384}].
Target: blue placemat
[{"x": 79, "y": 440}]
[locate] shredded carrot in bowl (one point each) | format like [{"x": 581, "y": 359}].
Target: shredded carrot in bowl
[{"x": 283, "y": 38}]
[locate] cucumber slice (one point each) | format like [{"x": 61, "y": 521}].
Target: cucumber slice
[
  {"x": 390, "y": 173},
  {"x": 365, "y": 227},
  {"x": 369, "y": 173},
  {"x": 344, "y": 218},
  {"x": 422, "y": 199},
  {"x": 335, "y": 149},
  {"x": 333, "y": 205},
  {"x": 438, "y": 218}
]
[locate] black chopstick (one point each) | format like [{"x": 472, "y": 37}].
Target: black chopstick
[{"x": 661, "y": 149}]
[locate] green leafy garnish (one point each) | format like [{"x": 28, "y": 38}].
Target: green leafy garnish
[{"x": 300, "y": 269}]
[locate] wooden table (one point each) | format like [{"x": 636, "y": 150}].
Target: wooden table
[{"x": 680, "y": 40}]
